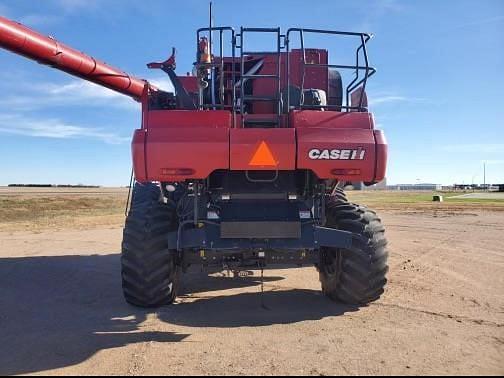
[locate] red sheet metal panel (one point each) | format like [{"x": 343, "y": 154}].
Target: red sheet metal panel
[
  {"x": 263, "y": 149},
  {"x": 315, "y": 77},
  {"x": 190, "y": 83},
  {"x": 345, "y": 154},
  {"x": 258, "y": 117},
  {"x": 189, "y": 119},
  {"x": 331, "y": 120},
  {"x": 138, "y": 154},
  {"x": 184, "y": 144},
  {"x": 381, "y": 155},
  {"x": 180, "y": 153}
]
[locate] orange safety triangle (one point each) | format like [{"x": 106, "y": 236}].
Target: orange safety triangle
[{"x": 263, "y": 156}]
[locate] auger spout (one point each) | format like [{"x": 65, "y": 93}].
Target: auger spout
[{"x": 47, "y": 50}]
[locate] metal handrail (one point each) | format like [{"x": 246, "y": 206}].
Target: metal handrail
[
  {"x": 277, "y": 31},
  {"x": 353, "y": 85},
  {"x": 369, "y": 71},
  {"x": 221, "y": 30}
]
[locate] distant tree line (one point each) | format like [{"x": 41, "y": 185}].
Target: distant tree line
[{"x": 50, "y": 186}]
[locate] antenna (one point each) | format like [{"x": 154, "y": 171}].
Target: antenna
[
  {"x": 210, "y": 48},
  {"x": 210, "y": 29},
  {"x": 484, "y": 176}
]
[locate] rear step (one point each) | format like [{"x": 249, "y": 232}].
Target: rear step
[
  {"x": 260, "y": 76},
  {"x": 261, "y": 122},
  {"x": 259, "y": 98},
  {"x": 260, "y": 53}
]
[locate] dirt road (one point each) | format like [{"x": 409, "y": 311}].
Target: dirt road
[{"x": 61, "y": 310}]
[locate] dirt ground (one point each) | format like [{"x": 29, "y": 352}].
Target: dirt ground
[{"x": 61, "y": 309}]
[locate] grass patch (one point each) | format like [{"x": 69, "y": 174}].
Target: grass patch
[
  {"x": 56, "y": 211},
  {"x": 59, "y": 211}
]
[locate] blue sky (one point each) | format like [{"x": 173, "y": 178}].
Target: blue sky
[{"x": 438, "y": 93}]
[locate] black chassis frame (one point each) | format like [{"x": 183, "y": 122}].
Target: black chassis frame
[{"x": 259, "y": 219}]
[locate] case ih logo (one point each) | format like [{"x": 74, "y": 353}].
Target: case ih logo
[{"x": 357, "y": 154}]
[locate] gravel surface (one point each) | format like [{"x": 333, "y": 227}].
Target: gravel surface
[{"x": 61, "y": 310}]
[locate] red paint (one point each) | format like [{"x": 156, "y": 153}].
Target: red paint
[
  {"x": 145, "y": 105},
  {"x": 251, "y": 117},
  {"x": 315, "y": 77},
  {"x": 215, "y": 119},
  {"x": 192, "y": 144},
  {"x": 174, "y": 145},
  {"x": 194, "y": 152},
  {"x": 330, "y": 120},
  {"x": 326, "y": 138},
  {"x": 184, "y": 144},
  {"x": 138, "y": 155},
  {"x": 190, "y": 83},
  {"x": 46, "y": 50},
  {"x": 244, "y": 143},
  {"x": 381, "y": 156}
]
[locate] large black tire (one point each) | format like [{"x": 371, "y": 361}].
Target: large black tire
[
  {"x": 150, "y": 272},
  {"x": 357, "y": 275},
  {"x": 338, "y": 195}
]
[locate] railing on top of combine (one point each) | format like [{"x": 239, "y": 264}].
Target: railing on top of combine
[{"x": 225, "y": 82}]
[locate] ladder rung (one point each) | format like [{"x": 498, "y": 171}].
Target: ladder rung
[
  {"x": 260, "y": 76},
  {"x": 259, "y": 98},
  {"x": 260, "y": 53},
  {"x": 261, "y": 121}
]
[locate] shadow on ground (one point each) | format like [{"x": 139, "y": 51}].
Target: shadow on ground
[{"x": 59, "y": 311}]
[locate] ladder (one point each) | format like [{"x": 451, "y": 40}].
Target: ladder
[{"x": 244, "y": 76}]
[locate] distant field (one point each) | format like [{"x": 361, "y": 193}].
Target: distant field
[
  {"x": 42, "y": 208},
  {"x": 51, "y": 192},
  {"x": 403, "y": 200}
]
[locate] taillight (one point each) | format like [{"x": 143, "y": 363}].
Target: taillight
[
  {"x": 346, "y": 172},
  {"x": 177, "y": 171}
]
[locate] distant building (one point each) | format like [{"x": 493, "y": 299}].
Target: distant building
[
  {"x": 475, "y": 187},
  {"x": 466, "y": 187},
  {"x": 415, "y": 187}
]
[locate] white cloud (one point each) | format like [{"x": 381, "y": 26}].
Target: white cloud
[
  {"x": 44, "y": 19},
  {"x": 83, "y": 90},
  {"x": 54, "y": 128},
  {"x": 163, "y": 83},
  {"x": 386, "y": 99},
  {"x": 21, "y": 93},
  {"x": 377, "y": 98},
  {"x": 39, "y": 95}
]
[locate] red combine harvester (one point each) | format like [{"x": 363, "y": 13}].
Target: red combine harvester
[{"x": 244, "y": 165}]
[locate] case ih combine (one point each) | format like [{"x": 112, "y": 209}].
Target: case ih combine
[{"x": 244, "y": 165}]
